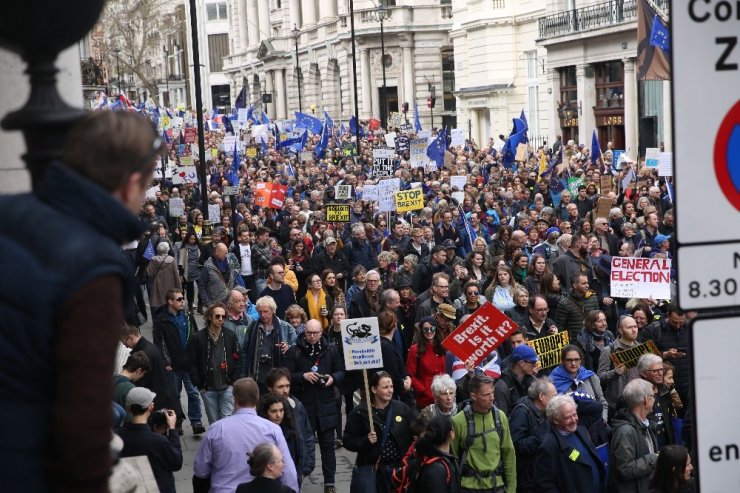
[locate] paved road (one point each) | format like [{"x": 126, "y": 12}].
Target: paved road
[{"x": 190, "y": 443}]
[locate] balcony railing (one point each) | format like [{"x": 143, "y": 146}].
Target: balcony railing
[{"x": 588, "y": 18}]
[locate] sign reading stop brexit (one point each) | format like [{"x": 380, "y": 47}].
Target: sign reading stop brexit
[
  {"x": 706, "y": 140},
  {"x": 485, "y": 330}
]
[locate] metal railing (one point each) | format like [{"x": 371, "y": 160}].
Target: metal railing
[{"x": 588, "y": 18}]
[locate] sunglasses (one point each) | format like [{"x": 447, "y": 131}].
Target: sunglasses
[
  {"x": 218, "y": 316},
  {"x": 428, "y": 330},
  {"x": 179, "y": 299}
]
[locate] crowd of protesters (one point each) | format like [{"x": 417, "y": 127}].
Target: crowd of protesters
[{"x": 275, "y": 283}]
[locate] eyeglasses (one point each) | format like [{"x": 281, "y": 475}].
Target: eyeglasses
[
  {"x": 218, "y": 316},
  {"x": 572, "y": 360},
  {"x": 657, "y": 370},
  {"x": 428, "y": 330},
  {"x": 312, "y": 333},
  {"x": 180, "y": 299},
  {"x": 316, "y": 281},
  {"x": 373, "y": 280},
  {"x": 472, "y": 293}
]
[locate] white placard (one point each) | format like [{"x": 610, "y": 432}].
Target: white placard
[
  {"x": 665, "y": 164},
  {"x": 343, "y": 192},
  {"x": 415, "y": 184},
  {"x": 424, "y": 134},
  {"x": 457, "y": 137},
  {"x": 241, "y": 115},
  {"x": 260, "y": 131},
  {"x": 651, "y": 157},
  {"x": 177, "y": 207},
  {"x": 229, "y": 143},
  {"x": 370, "y": 192},
  {"x": 387, "y": 194},
  {"x": 390, "y": 139},
  {"x": 151, "y": 193},
  {"x": 418, "y": 153},
  {"x": 459, "y": 196},
  {"x": 382, "y": 162},
  {"x": 184, "y": 174},
  {"x": 361, "y": 343},
  {"x": 639, "y": 277},
  {"x": 459, "y": 182},
  {"x": 214, "y": 213}
]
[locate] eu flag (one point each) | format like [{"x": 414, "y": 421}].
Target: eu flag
[
  {"x": 523, "y": 118},
  {"x": 417, "y": 122},
  {"x": 329, "y": 123},
  {"x": 320, "y": 149},
  {"x": 241, "y": 99},
  {"x": 518, "y": 136},
  {"x": 436, "y": 150},
  {"x": 307, "y": 121},
  {"x": 353, "y": 126},
  {"x": 595, "y": 148},
  {"x": 233, "y": 176},
  {"x": 659, "y": 36},
  {"x": 265, "y": 119}
]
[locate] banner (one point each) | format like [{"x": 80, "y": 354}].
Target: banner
[
  {"x": 269, "y": 195},
  {"x": 349, "y": 149},
  {"x": 457, "y": 136},
  {"x": 337, "y": 213},
  {"x": 403, "y": 144},
  {"x": 190, "y": 134},
  {"x": 418, "y": 153},
  {"x": 387, "y": 194},
  {"x": 382, "y": 163},
  {"x": 548, "y": 348},
  {"x": 177, "y": 207},
  {"x": 370, "y": 192},
  {"x": 361, "y": 343},
  {"x": 343, "y": 192},
  {"x": 214, "y": 213},
  {"x": 651, "y": 157},
  {"x": 637, "y": 277},
  {"x": 629, "y": 357},
  {"x": 409, "y": 200},
  {"x": 184, "y": 174},
  {"x": 485, "y": 330}
]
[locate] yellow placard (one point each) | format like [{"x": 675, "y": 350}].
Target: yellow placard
[
  {"x": 629, "y": 357},
  {"x": 548, "y": 348},
  {"x": 409, "y": 200},
  {"x": 337, "y": 213},
  {"x": 251, "y": 152},
  {"x": 214, "y": 152}
]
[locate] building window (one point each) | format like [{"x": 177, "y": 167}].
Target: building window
[
  {"x": 216, "y": 11},
  {"x": 220, "y": 96},
  {"x": 609, "y": 84},
  {"x": 568, "y": 103},
  {"x": 218, "y": 48},
  {"x": 448, "y": 80},
  {"x": 533, "y": 93}
]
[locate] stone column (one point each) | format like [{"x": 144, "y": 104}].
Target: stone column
[
  {"x": 309, "y": 13},
  {"x": 264, "y": 20},
  {"x": 295, "y": 14},
  {"x": 269, "y": 89},
  {"x": 586, "y": 102},
  {"x": 630, "y": 108},
  {"x": 553, "y": 85},
  {"x": 475, "y": 130},
  {"x": 241, "y": 12},
  {"x": 367, "y": 109},
  {"x": 409, "y": 94},
  {"x": 280, "y": 94},
  {"x": 327, "y": 10},
  {"x": 252, "y": 16},
  {"x": 667, "y": 117}
]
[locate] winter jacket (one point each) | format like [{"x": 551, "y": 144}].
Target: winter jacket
[
  {"x": 358, "y": 427},
  {"x": 559, "y": 468},
  {"x": 612, "y": 383},
  {"x": 163, "y": 274},
  {"x": 630, "y": 461},
  {"x": 572, "y": 312},
  {"x": 212, "y": 286},
  {"x": 169, "y": 340},
  {"x": 306, "y": 462},
  {"x": 528, "y": 426},
  {"x": 361, "y": 254},
  {"x": 198, "y": 363},
  {"x": 422, "y": 369},
  {"x": 338, "y": 263},
  {"x": 586, "y": 341},
  {"x": 509, "y": 389},
  {"x": 567, "y": 266},
  {"x": 666, "y": 337},
  {"x": 286, "y": 333},
  {"x": 440, "y": 476}
]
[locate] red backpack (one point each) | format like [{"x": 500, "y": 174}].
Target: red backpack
[{"x": 405, "y": 478}]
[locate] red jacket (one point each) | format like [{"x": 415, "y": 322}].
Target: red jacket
[{"x": 429, "y": 365}]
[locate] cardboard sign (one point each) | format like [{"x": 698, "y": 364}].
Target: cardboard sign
[
  {"x": 638, "y": 277},
  {"x": 458, "y": 182},
  {"x": 269, "y": 195},
  {"x": 606, "y": 184},
  {"x": 390, "y": 139},
  {"x": 548, "y": 348},
  {"x": 409, "y": 200},
  {"x": 177, "y": 207},
  {"x": 337, "y": 213},
  {"x": 665, "y": 164},
  {"x": 184, "y": 174},
  {"x": 241, "y": 115},
  {"x": 361, "y": 343},
  {"x": 305, "y": 156},
  {"x": 228, "y": 144},
  {"x": 252, "y": 152},
  {"x": 190, "y": 135},
  {"x": 382, "y": 163},
  {"x": 233, "y": 190},
  {"x": 521, "y": 152},
  {"x": 651, "y": 157},
  {"x": 370, "y": 192},
  {"x": 343, "y": 192},
  {"x": 629, "y": 357},
  {"x": 387, "y": 194},
  {"x": 214, "y": 213},
  {"x": 480, "y": 334},
  {"x": 603, "y": 206},
  {"x": 186, "y": 161},
  {"x": 418, "y": 153}
]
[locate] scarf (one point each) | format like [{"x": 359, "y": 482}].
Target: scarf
[
  {"x": 564, "y": 382},
  {"x": 407, "y": 306},
  {"x": 314, "y": 307},
  {"x": 313, "y": 351},
  {"x": 372, "y": 301}
]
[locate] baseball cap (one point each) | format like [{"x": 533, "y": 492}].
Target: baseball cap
[
  {"x": 330, "y": 239},
  {"x": 661, "y": 238},
  {"x": 524, "y": 353},
  {"x": 140, "y": 396},
  {"x": 447, "y": 310},
  {"x": 448, "y": 244}
]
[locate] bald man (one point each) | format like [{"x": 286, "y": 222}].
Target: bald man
[{"x": 218, "y": 276}]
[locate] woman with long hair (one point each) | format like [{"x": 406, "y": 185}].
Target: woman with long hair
[
  {"x": 297, "y": 318},
  {"x": 317, "y": 303},
  {"x": 536, "y": 269},
  {"x": 519, "y": 265},
  {"x": 426, "y": 359},
  {"x": 387, "y": 276},
  {"x": 501, "y": 290},
  {"x": 441, "y": 474},
  {"x": 498, "y": 245},
  {"x": 550, "y": 289},
  {"x": 593, "y": 338},
  {"x": 329, "y": 283},
  {"x": 298, "y": 259},
  {"x": 475, "y": 264},
  {"x": 519, "y": 313},
  {"x": 672, "y": 472},
  {"x": 276, "y": 409}
]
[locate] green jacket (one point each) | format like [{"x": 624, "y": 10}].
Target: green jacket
[{"x": 485, "y": 461}]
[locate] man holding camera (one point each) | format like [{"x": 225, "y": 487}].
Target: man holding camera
[
  {"x": 163, "y": 451},
  {"x": 315, "y": 368}
]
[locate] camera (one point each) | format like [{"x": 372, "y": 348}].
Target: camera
[
  {"x": 264, "y": 358},
  {"x": 323, "y": 380}
]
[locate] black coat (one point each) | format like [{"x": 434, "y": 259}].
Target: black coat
[
  {"x": 359, "y": 307},
  {"x": 164, "y": 452},
  {"x": 319, "y": 401},
  {"x": 197, "y": 352},
  {"x": 263, "y": 485},
  {"x": 157, "y": 379},
  {"x": 440, "y": 476},
  {"x": 338, "y": 263},
  {"x": 528, "y": 425},
  {"x": 167, "y": 338},
  {"x": 358, "y": 427},
  {"x": 556, "y": 472}
]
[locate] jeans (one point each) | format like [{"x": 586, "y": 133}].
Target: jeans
[
  {"x": 219, "y": 404},
  {"x": 190, "y": 293},
  {"x": 180, "y": 377},
  {"x": 326, "y": 446}
]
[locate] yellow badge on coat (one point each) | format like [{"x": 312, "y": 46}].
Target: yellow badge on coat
[
  {"x": 399, "y": 419},
  {"x": 574, "y": 455}
]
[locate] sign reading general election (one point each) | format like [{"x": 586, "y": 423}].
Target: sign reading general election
[
  {"x": 361, "y": 343},
  {"x": 637, "y": 277},
  {"x": 485, "y": 330}
]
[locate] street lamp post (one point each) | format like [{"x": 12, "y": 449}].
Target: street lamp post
[
  {"x": 117, "y": 51},
  {"x": 296, "y": 34},
  {"x": 354, "y": 71},
  {"x": 166, "y": 76},
  {"x": 382, "y": 13}
]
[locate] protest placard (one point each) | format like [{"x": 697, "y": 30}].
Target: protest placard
[
  {"x": 390, "y": 139},
  {"x": 409, "y": 200},
  {"x": 151, "y": 193},
  {"x": 343, "y": 192},
  {"x": 548, "y": 348},
  {"x": 214, "y": 213},
  {"x": 190, "y": 135},
  {"x": 403, "y": 144},
  {"x": 480, "y": 334},
  {"x": 387, "y": 194},
  {"x": 337, "y": 213},
  {"x": 651, "y": 157},
  {"x": 241, "y": 115},
  {"x": 186, "y": 161},
  {"x": 370, "y": 193},
  {"x": 603, "y": 206},
  {"x": 395, "y": 119},
  {"x": 406, "y": 128},
  {"x": 259, "y": 131},
  {"x": 665, "y": 164},
  {"x": 229, "y": 143},
  {"x": 458, "y": 182},
  {"x": 424, "y": 134},
  {"x": 606, "y": 184},
  {"x": 628, "y": 357},
  {"x": 521, "y": 152},
  {"x": 184, "y": 174},
  {"x": 231, "y": 190},
  {"x": 573, "y": 184},
  {"x": 638, "y": 277},
  {"x": 457, "y": 137},
  {"x": 269, "y": 195},
  {"x": 305, "y": 156},
  {"x": 418, "y": 153},
  {"x": 349, "y": 149},
  {"x": 177, "y": 207},
  {"x": 361, "y": 343},
  {"x": 382, "y": 162},
  {"x": 459, "y": 196},
  {"x": 252, "y": 152}
]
